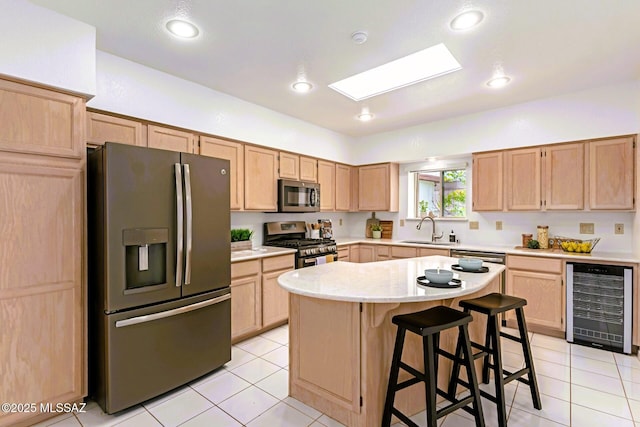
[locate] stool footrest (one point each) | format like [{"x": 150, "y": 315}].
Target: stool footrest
[
  {"x": 510, "y": 337},
  {"x": 407, "y": 383},
  {"x": 413, "y": 371},
  {"x": 510, "y": 376},
  {"x": 403, "y": 418},
  {"x": 457, "y": 404}
]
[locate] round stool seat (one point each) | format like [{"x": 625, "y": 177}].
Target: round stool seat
[
  {"x": 493, "y": 304},
  {"x": 432, "y": 320}
]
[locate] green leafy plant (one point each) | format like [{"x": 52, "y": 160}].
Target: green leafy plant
[
  {"x": 241, "y": 234},
  {"x": 376, "y": 227},
  {"x": 424, "y": 205}
]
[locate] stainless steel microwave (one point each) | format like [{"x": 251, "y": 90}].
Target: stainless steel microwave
[{"x": 298, "y": 196}]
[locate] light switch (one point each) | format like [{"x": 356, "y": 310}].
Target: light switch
[
  {"x": 474, "y": 225},
  {"x": 498, "y": 225},
  {"x": 143, "y": 258}
]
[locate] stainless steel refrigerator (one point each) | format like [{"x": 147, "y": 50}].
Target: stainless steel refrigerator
[{"x": 159, "y": 271}]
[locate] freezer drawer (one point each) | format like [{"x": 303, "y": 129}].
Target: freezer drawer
[{"x": 148, "y": 351}]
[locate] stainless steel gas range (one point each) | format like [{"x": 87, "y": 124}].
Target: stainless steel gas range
[{"x": 292, "y": 234}]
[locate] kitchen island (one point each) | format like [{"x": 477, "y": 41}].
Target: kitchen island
[{"x": 341, "y": 335}]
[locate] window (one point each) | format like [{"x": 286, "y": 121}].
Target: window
[{"x": 443, "y": 192}]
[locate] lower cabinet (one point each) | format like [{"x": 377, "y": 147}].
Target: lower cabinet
[
  {"x": 366, "y": 253},
  {"x": 344, "y": 253},
  {"x": 539, "y": 281},
  {"x": 257, "y": 301}
]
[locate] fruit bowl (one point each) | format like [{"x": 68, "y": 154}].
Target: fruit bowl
[{"x": 576, "y": 245}]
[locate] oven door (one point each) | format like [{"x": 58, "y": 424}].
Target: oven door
[
  {"x": 296, "y": 196},
  {"x": 312, "y": 260}
]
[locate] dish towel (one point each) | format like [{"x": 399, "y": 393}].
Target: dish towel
[{"x": 321, "y": 260}]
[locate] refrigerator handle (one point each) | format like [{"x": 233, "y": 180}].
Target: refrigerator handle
[
  {"x": 189, "y": 214},
  {"x": 180, "y": 221}
]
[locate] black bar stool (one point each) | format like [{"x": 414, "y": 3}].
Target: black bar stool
[
  {"x": 428, "y": 324},
  {"x": 492, "y": 305}
]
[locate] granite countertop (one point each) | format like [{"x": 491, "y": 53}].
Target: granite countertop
[
  {"x": 259, "y": 252},
  {"x": 391, "y": 281},
  {"x": 507, "y": 249}
]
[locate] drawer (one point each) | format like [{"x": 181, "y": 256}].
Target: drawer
[
  {"x": 343, "y": 252},
  {"x": 532, "y": 263},
  {"x": 403, "y": 252},
  {"x": 245, "y": 268},
  {"x": 383, "y": 250},
  {"x": 281, "y": 262}
]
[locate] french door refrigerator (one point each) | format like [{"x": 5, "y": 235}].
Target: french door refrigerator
[{"x": 159, "y": 271}]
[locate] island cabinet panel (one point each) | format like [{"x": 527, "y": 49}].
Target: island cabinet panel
[
  {"x": 308, "y": 169},
  {"x": 326, "y": 351},
  {"x": 275, "y": 300},
  {"x": 260, "y": 178},
  {"x": 538, "y": 280},
  {"x": 234, "y": 152},
  {"x": 378, "y": 187},
  {"x": 523, "y": 179},
  {"x": 103, "y": 128},
  {"x": 487, "y": 190},
  {"x": 170, "y": 139},
  {"x": 611, "y": 174},
  {"x": 564, "y": 177},
  {"x": 327, "y": 181},
  {"x": 289, "y": 166},
  {"x": 246, "y": 304},
  {"x": 40, "y": 121}
]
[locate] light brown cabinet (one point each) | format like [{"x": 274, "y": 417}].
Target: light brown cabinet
[
  {"x": 170, "y": 139},
  {"x": 538, "y": 280},
  {"x": 327, "y": 181},
  {"x": 366, "y": 253},
  {"x": 260, "y": 178},
  {"x": 42, "y": 279},
  {"x": 234, "y": 152},
  {"x": 611, "y": 174},
  {"x": 344, "y": 177},
  {"x": 378, "y": 187},
  {"x": 289, "y": 166},
  {"x": 487, "y": 190},
  {"x": 522, "y": 179},
  {"x": 432, "y": 251},
  {"x": 275, "y": 300},
  {"x": 308, "y": 169},
  {"x": 246, "y": 304},
  {"x": 103, "y": 128},
  {"x": 344, "y": 253},
  {"x": 564, "y": 177},
  {"x": 398, "y": 252}
]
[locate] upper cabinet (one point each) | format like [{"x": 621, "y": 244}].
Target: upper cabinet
[
  {"x": 260, "y": 178},
  {"x": 234, "y": 152},
  {"x": 378, "y": 187},
  {"x": 522, "y": 179},
  {"x": 170, "y": 139},
  {"x": 563, "y": 177},
  {"x": 344, "y": 178},
  {"x": 327, "y": 181},
  {"x": 308, "y": 169},
  {"x": 611, "y": 173},
  {"x": 102, "y": 128},
  {"x": 289, "y": 166},
  {"x": 487, "y": 171}
]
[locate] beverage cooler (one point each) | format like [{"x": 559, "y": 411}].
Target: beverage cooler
[{"x": 599, "y": 306}]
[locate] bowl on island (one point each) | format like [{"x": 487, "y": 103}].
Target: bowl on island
[
  {"x": 439, "y": 275},
  {"x": 470, "y": 264}
]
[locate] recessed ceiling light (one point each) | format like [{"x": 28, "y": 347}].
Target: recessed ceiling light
[
  {"x": 183, "y": 29},
  {"x": 359, "y": 37},
  {"x": 498, "y": 82},
  {"x": 365, "y": 117},
  {"x": 466, "y": 20},
  {"x": 302, "y": 86},
  {"x": 425, "y": 64}
]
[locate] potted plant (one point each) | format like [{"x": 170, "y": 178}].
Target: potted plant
[
  {"x": 241, "y": 239},
  {"x": 424, "y": 208},
  {"x": 376, "y": 231}
]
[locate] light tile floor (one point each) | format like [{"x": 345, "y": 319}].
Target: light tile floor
[{"x": 580, "y": 386}]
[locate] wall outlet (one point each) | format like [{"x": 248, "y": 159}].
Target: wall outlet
[
  {"x": 619, "y": 229},
  {"x": 586, "y": 228},
  {"x": 340, "y": 221},
  {"x": 474, "y": 225},
  {"x": 402, "y": 223},
  {"x": 498, "y": 225}
]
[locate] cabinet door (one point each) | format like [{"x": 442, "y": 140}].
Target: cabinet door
[
  {"x": 564, "y": 177},
  {"x": 432, "y": 251},
  {"x": 611, "y": 173},
  {"x": 246, "y": 308},
  {"x": 275, "y": 300},
  {"x": 366, "y": 253},
  {"x": 234, "y": 152},
  {"x": 327, "y": 181},
  {"x": 289, "y": 166},
  {"x": 383, "y": 252},
  {"x": 170, "y": 139},
  {"x": 403, "y": 252},
  {"x": 343, "y": 187},
  {"x": 103, "y": 128},
  {"x": 523, "y": 180},
  {"x": 378, "y": 187},
  {"x": 544, "y": 294},
  {"x": 487, "y": 181},
  {"x": 260, "y": 178},
  {"x": 308, "y": 169}
]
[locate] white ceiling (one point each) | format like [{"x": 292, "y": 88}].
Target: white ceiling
[{"x": 254, "y": 50}]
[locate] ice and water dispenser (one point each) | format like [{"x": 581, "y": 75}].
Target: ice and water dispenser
[{"x": 146, "y": 257}]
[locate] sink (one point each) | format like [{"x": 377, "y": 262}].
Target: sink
[{"x": 426, "y": 242}]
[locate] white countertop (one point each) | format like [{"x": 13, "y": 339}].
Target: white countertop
[
  {"x": 383, "y": 281},
  {"x": 507, "y": 249},
  {"x": 260, "y": 252}
]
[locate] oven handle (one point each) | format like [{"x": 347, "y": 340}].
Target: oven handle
[
  {"x": 189, "y": 214},
  {"x": 170, "y": 313},
  {"x": 179, "y": 224}
]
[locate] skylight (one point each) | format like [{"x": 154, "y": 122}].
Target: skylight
[{"x": 423, "y": 65}]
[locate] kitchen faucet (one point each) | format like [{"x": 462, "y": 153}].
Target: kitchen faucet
[{"x": 433, "y": 228}]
